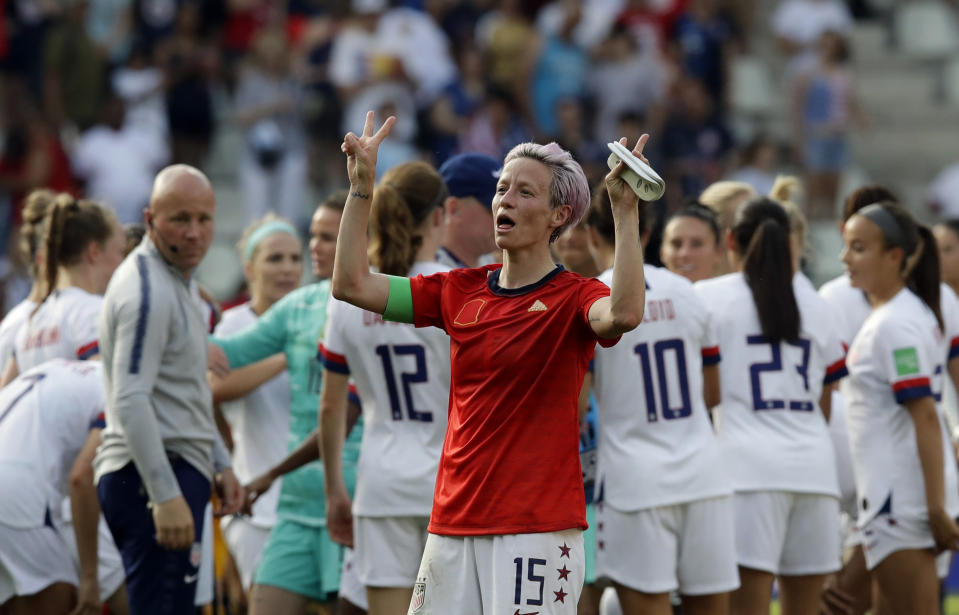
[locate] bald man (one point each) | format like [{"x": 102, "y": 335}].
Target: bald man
[{"x": 161, "y": 450}]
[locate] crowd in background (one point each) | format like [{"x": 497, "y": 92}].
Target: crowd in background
[{"x": 100, "y": 94}]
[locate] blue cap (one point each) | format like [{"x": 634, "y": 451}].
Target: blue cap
[{"x": 472, "y": 175}]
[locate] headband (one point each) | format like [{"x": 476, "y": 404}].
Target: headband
[
  {"x": 275, "y": 226},
  {"x": 886, "y": 222}
]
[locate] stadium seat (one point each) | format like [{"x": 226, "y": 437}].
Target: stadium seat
[
  {"x": 926, "y": 30},
  {"x": 751, "y": 89}
]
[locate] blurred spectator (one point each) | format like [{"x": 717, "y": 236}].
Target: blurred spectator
[
  {"x": 943, "y": 193},
  {"x": 799, "y": 24},
  {"x": 140, "y": 84},
  {"x": 704, "y": 39},
  {"x": 824, "y": 107},
  {"x": 32, "y": 155},
  {"x": 74, "y": 72},
  {"x": 110, "y": 25},
  {"x": 557, "y": 68},
  {"x": 504, "y": 34},
  {"x": 269, "y": 105},
  {"x": 189, "y": 65},
  {"x": 622, "y": 80},
  {"x": 496, "y": 128},
  {"x": 397, "y": 148},
  {"x": 401, "y": 45},
  {"x": 593, "y": 27},
  {"x": 28, "y": 24},
  {"x": 651, "y": 22},
  {"x": 456, "y": 104},
  {"x": 118, "y": 161},
  {"x": 757, "y": 165},
  {"x": 574, "y": 136},
  {"x": 322, "y": 108},
  {"x": 367, "y": 75},
  {"x": 421, "y": 46},
  {"x": 695, "y": 142}
]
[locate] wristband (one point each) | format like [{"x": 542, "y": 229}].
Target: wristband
[{"x": 399, "y": 303}]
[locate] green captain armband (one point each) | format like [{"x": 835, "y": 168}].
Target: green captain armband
[{"x": 399, "y": 303}]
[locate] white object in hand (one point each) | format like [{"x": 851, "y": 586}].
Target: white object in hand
[{"x": 645, "y": 182}]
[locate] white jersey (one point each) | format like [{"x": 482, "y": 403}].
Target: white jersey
[
  {"x": 65, "y": 327},
  {"x": 851, "y": 307},
  {"x": 771, "y": 430},
  {"x": 402, "y": 377},
  {"x": 10, "y": 326},
  {"x": 259, "y": 423},
  {"x": 655, "y": 441},
  {"x": 45, "y": 415},
  {"x": 898, "y": 355}
]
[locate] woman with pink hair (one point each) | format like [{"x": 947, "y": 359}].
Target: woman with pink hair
[{"x": 508, "y": 513}]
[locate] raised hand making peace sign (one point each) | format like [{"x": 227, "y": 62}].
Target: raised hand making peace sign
[{"x": 361, "y": 151}]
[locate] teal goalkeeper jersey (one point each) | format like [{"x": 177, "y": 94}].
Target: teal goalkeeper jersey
[{"x": 293, "y": 326}]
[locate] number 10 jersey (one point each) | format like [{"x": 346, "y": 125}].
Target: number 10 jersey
[{"x": 656, "y": 444}]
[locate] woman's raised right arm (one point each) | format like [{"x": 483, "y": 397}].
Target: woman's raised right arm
[{"x": 353, "y": 281}]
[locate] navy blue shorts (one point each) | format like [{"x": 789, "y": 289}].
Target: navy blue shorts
[{"x": 159, "y": 581}]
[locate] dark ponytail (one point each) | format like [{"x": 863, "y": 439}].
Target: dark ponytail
[
  {"x": 923, "y": 277},
  {"x": 761, "y": 232},
  {"x": 920, "y": 263},
  {"x": 405, "y": 197},
  {"x": 71, "y": 227}
]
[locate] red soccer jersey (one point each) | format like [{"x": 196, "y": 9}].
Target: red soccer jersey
[{"x": 510, "y": 462}]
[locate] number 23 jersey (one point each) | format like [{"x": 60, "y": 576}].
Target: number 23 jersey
[
  {"x": 402, "y": 376},
  {"x": 771, "y": 430}
]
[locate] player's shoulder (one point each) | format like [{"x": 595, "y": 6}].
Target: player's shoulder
[
  {"x": 234, "y": 319},
  {"x": 839, "y": 289},
  {"x": 721, "y": 286},
  {"x": 662, "y": 278},
  {"x": 903, "y": 315},
  {"x": 428, "y": 268},
  {"x": 17, "y": 315},
  {"x": 307, "y": 296}
]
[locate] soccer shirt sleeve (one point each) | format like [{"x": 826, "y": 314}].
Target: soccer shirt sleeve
[
  {"x": 590, "y": 291},
  {"x": 708, "y": 336},
  {"x": 835, "y": 356},
  {"x": 949, "y": 304},
  {"x": 900, "y": 358},
  {"x": 332, "y": 344},
  {"x": 83, "y": 329},
  {"x": 264, "y": 338},
  {"x": 427, "y": 299}
]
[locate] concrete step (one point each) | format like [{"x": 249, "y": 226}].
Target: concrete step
[{"x": 899, "y": 153}]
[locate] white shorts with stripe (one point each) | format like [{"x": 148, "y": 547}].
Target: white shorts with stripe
[
  {"x": 246, "y": 541},
  {"x": 389, "y": 549},
  {"x": 788, "y": 533},
  {"x": 687, "y": 547},
  {"x": 110, "y": 573},
  {"x": 351, "y": 589},
  {"x": 491, "y": 575},
  {"x": 33, "y": 559}
]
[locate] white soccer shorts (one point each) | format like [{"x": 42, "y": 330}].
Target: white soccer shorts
[
  {"x": 687, "y": 547},
  {"x": 388, "y": 550},
  {"x": 491, "y": 575},
  {"x": 788, "y": 533}
]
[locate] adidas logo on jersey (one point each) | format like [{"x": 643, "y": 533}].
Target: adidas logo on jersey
[{"x": 538, "y": 306}]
